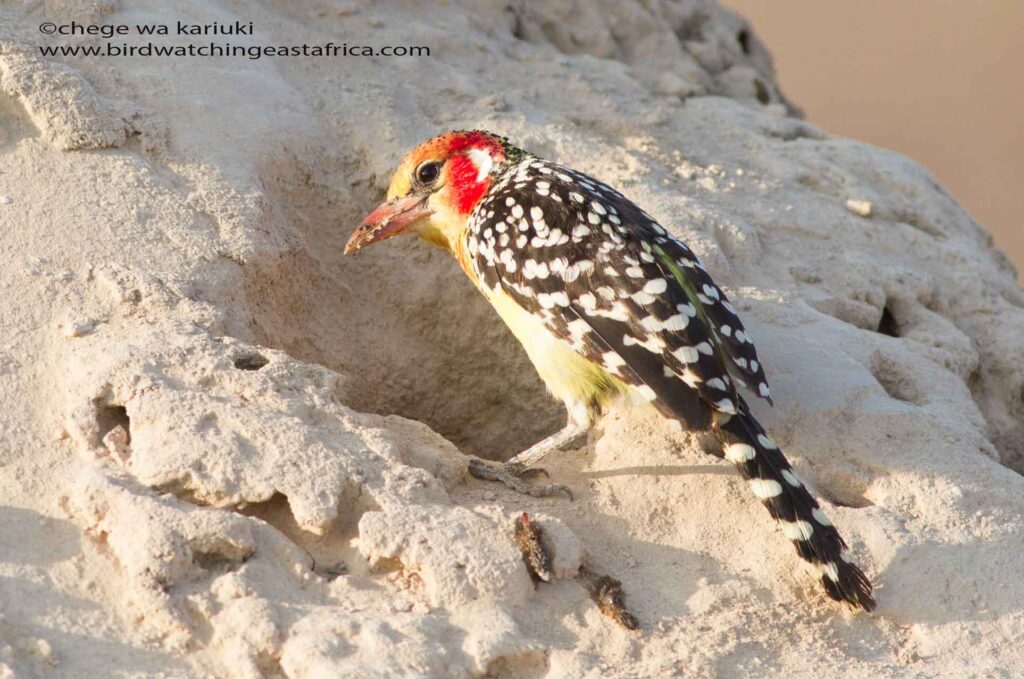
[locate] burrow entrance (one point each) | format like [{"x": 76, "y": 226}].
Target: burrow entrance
[{"x": 399, "y": 320}]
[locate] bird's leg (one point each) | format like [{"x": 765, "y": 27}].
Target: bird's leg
[
  {"x": 512, "y": 473},
  {"x": 563, "y": 437}
]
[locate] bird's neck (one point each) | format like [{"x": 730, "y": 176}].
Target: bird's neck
[{"x": 446, "y": 229}]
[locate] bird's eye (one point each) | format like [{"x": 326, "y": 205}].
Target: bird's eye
[{"x": 428, "y": 172}]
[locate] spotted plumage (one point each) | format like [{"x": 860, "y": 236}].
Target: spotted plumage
[
  {"x": 607, "y": 304},
  {"x": 570, "y": 248}
]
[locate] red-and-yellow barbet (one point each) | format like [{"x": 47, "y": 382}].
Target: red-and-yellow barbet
[{"x": 608, "y": 305}]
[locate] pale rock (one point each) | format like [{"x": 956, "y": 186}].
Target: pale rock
[{"x": 257, "y": 478}]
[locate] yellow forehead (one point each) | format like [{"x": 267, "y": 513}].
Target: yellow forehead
[{"x": 401, "y": 181}]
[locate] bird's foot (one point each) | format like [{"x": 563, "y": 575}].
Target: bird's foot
[{"x": 513, "y": 475}]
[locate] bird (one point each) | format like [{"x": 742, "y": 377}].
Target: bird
[{"x": 609, "y": 307}]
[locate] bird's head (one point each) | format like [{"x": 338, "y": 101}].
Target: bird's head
[{"x": 435, "y": 188}]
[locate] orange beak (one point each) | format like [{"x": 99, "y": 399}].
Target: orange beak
[{"x": 388, "y": 220}]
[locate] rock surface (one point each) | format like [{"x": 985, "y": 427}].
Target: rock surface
[{"x": 226, "y": 447}]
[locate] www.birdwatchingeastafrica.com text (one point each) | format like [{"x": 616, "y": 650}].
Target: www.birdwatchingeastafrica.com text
[
  {"x": 149, "y": 49},
  {"x": 115, "y": 42}
]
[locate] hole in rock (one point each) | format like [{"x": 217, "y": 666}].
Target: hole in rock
[
  {"x": 251, "y": 361},
  {"x": 763, "y": 95},
  {"x": 743, "y": 38},
  {"x": 109, "y": 417},
  {"x": 887, "y": 324},
  {"x": 331, "y": 554},
  {"x": 399, "y": 320},
  {"x": 215, "y": 562},
  {"x": 518, "y": 29}
]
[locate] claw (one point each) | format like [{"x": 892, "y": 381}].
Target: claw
[
  {"x": 524, "y": 472},
  {"x": 511, "y": 475}
]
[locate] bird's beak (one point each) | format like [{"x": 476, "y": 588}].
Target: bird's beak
[{"x": 387, "y": 220}]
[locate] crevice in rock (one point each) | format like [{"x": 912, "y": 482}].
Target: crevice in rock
[
  {"x": 276, "y": 511},
  {"x": 216, "y": 562},
  {"x": 763, "y": 95},
  {"x": 331, "y": 554},
  {"x": 917, "y": 221},
  {"x": 790, "y": 129},
  {"x": 181, "y": 489},
  {"x": 743, "y": 38},
  {"x": 858, "y": 503},
  {"x": 518, "y": 30},
  {"x": 111, "y": 416},
  {"x": 250, "y": 361},
  {"x": 887, "y": 324}
]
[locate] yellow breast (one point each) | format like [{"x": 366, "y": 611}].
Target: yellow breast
[{"x": 570, "y": 377}]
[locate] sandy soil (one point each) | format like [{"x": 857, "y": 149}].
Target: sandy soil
[{"x": 227, "y": 450}]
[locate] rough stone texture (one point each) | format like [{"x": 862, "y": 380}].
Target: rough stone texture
[{"x": 213, "y": 456}]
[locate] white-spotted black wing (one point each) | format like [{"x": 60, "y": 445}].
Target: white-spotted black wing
[
  {"x": 608, "y": 279},
  {"x": 611, "y": 282}
]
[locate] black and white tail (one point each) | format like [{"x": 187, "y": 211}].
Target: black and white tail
[{"x": 765, "y": 468}]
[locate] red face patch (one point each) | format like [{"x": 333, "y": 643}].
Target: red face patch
[{"x": 466, "y": 191}]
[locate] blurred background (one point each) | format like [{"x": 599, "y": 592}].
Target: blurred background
[{"x": 941, "y": 81}]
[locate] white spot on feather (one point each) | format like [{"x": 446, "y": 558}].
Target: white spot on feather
[
  {"x": 686, "y": 354},
  {"x": 677, "y": 322},
  {"x": 765, "y": 489},
  {"x": 726, "y": 406},
  {"x": 687, "y": 309},
  {"x": 612, "y": 361},
  {"x": 642, "y": 298},
  {"x": 797, "y": 530},
  {"x": 739, "y": 453},
  {"x": 656, "y": 286}
]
